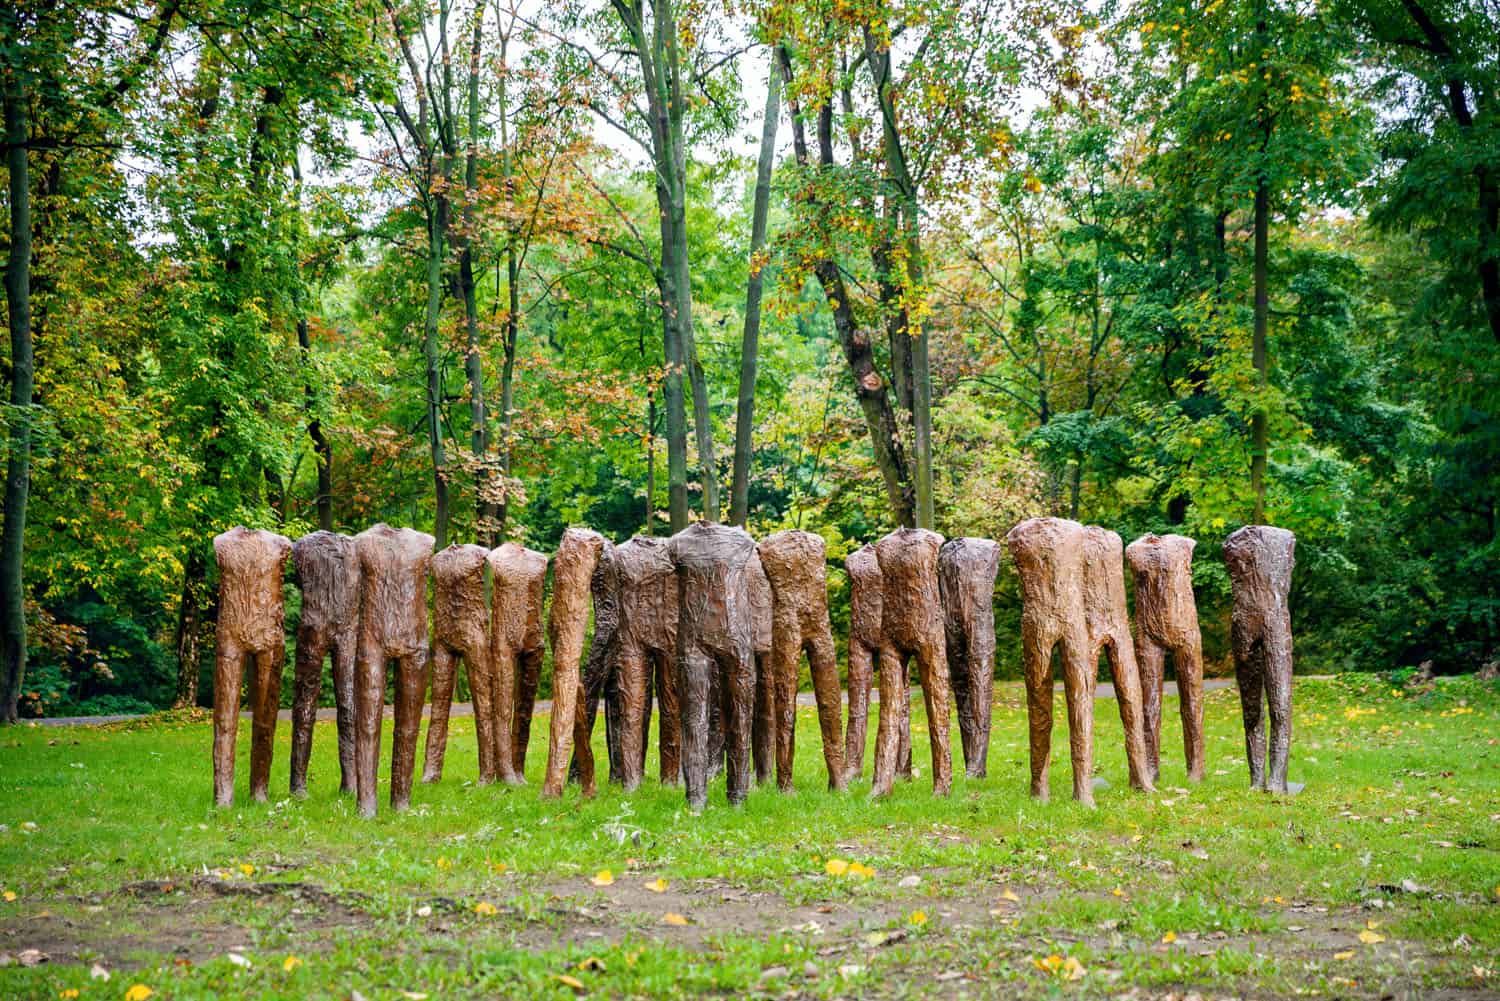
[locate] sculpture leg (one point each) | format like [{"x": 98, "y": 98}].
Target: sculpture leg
[
  {"x": 892, "y": 720},
  {"x": 822, "y": 664},
  {"x": 1278, "y": 676},
  {"x": 933, "y": 670},
  {"x": 782, "y": 667},
  {"x": 344, "y": 648},
  {"x": 647, "y": 702},
  {"x": 716, "y": 697},
  {"x": 614, "y": 726},
  {"x": 582, "y": 768},
  {"x": 958, "y": 680},
  {"x": 1080, "y": 673},
  {"x": 482, "y": 690},
  {"x": 668, "y": 721},
  {"x": 738, "y": 685},
  {"x": 1037, "y": 665},
  {"x": 528, "y": 676},
  {"x": 861, "y": 674},
  {"x": 503, "y": 698},
  {"x": 693, "y": 687},
  {"x": 307, "y": 682},
  {"x": 229, "y": 672},
  {"x": 565, "y": 706},
  {"x": 763, "y": 732},
  {"x": 1187, "y": 664},
  {"x": 633, "y": 718},
  {"x": 1122, "y": 667},
  {"x": 903, "y": 753},
  {"x": 369, "y": 708},
  {"x": 411, "y": 686},
  {"x": 1151, "y": 660},
  {"x": 268, "y": 665},
  {"x": 444, "y": 670},
  {"x": 1249, "y": 670}
]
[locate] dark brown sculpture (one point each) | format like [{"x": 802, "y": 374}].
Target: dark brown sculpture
[
  {"x": 517, "y": 576},
  {"x": 911, "y": 627},
  {"x": 646, "y": 647},
  {"x": 966, "y": 581},
  {"x": 1108, "y": 625},
  {"x": 459, "y": 631},
  {"x": 251, "y": 614},
  {"x": 1166, "y": 622},
  {"x": 393, "y": 565},
  {"x": 600, "y": 677},
  {"x": 327, "y": 568},
  {"x": 1260, "y": 560},
  {"x": 794, "y": 565},
  {"x": 568, "y": 620},
  {"x": 715, "y": 636}
]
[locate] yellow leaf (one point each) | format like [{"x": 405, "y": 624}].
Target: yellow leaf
[
  {"x": 603, "y": 878},
  {"x": 1072, "y": 969},
  {"x": 1011, "y": 896},
  {"x": 290, "y": 963},
  {"x": 1136, "y": 838},
  {"x": 592, "y": 963},
  {"x": 836, "y": 867},
  {"x": 1369, "y": 937},
  {"x": 247, "y": 868},
  {"x": 1372, "y": 924},
  {"x": 1343, "y": 956},
  {"x": 1117, "y": 892},
  {"x": 138, "y": 992},
  {"x": 1169, "y": 937},
  {"x": 917, "y": 918},
  {"x": 70, "y": 992},
  {"x": 657, "y": 885},
  {"x": 498, "y": 868},
  {"x": 10, "y": 895},
  {"x": 860, "y": 869},
  {"x": 569, "y": 981},
  {"x": 485, "y": 908},
  {"x": 444, "y": 863},
  {"x": 673, "y": 918}
]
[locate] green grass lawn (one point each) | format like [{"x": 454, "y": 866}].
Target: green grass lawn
[{"x": 1381, "y": 879}]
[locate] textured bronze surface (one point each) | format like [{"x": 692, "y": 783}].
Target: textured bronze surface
[
  {"x": 517, "y": 578},
  {"x": 1166, "y": 622},
  {"x": 715, "y": 636},
  {"x": 911, "y": 627},
  {"x": 327, "y": 569},
  {"x": 1049, "y": 557},
  {"x": 460, "y": 621},
  {"x": 865, "y": 593},
  {"x": 393, "y": 566},
  {"x": 966, "y": 581},
  {"x": 250, "y": 626},
  {"x": 646, "y": 642},
  {"x": 1260, "y": 560},
  {"x": 762, "y": 727},
  {"x": 795, "y": 566},
  {"x": 1108, "y": 624},
  {"x": 600, "y": 676},
  {"x": 567, "y": 621}
]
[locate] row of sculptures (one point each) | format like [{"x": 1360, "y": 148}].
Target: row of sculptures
[{"x": 717, "y": 625}]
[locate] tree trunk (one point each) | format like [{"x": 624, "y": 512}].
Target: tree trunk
[
  {"x": 508, "y": 383},
  {"x": 1258, "y": 350},
  {"x": 431, "y": 349},
  {"x": 18, "y": 458},
  {"x": 190, "y": 629},
  {"x": 744, "y": 414}
]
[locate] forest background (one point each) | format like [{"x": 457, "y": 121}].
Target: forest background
[{"x": 491, "y": 270}]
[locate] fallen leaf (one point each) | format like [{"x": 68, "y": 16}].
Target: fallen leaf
[
  {"x": 1343, "y": 956},
  {"x": 1117, "y": 892},
  {"x": 603, "y": 878},
  {"x": 425, "y": 911},
  {"x": 569, "y": 981},
  {"x": 861, "y": 870},
  {"x": 850, "y": 970},
  {"x": 908, "y": 882},
  {"x": 414, "y": 996},
  {"x": 68, "y": 992},
  {"x": 98, "y": 972},
  {"x": 10, "y": 896},
  {"x": 1372, "y": 924},
  {"x": 31, "y": 957},
  {"x": 1072, "y": 969},
  {"x": 917, "y": 918},
  {"x": 1169, "y": 937},
  {"x": 138, "y": 992},
  {"x": 1369, "y": 937},
  {"x": 290, "y": 963},
  {"x": 591, "y": 963},
  {"x": 485, "y": 908},
  {"x": 247, "y": 868},
  {"x": 836, "y": 867},
  {"x": 1011, "y": 896},
  {"x": 657, "y": 885},
  {"x": 673, "y": 918},
  {"x": 239, "y": 960}
]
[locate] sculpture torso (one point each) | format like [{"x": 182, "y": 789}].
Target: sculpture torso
[
  {"x": 1162, "y": 568},
  {"x": 393, "y": 569},
  {"x": 866, "y": 595},
  {"x": 458, "y": 607},
  {"x": 1260, "y": 560},
  {"x": 518, "y": 576},
  {"x": 713, "y": 590},
  {"x": 794, "y": 564},
  {"x": 911, "y": 610},
  {"x": 1049, "y": 556},
  {"x": 647, "y": 589},
  {"x": 251, "y": 562},
  {"x": 328, "y": 574}
]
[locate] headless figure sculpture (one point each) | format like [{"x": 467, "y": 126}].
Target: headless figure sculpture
[
  {"x": 1108, "y": 625},
  {"x": 572, "y": 572},
  {"x": 459, "y": 631},
  {"x": 911, "y": 627},
  {"x": 794, "y": 564},
  {"x": 762, "y": 725},
  {"x": 517, "y": 575},
  {"x": 1166, "y": 622},
  {"x": 646, "y": 642},
  {"x": 327, "y": 568},
  {"x": 715, "y": 636},
  {"x": 600, "y": 677},
  {"x": 966, "y": 581},
  {"x": 393, "y": 566},
  {"x": 249, "y": 627},
  {"x": 866, "y": 589},
  {"x": 1260, "y": 560}
]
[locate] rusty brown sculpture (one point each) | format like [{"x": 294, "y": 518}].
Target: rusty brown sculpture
[
  {"x": 911, "y": 627},
  {"x": 251, "y": 614},
  {"x": 715, "y": 636},
  {"x": 794, "y": 565},
  {"x": 1108, "y": 625},
  {"x": 459, "y": 632},
  {"x": 517, "y": 576},
  {"x": 763, "y": 726},
  {"x": 1260, "y": 560},
  {"x": 327, "y": 568},
  {"x": 572, "y": 573},
  {"x": 966, "y": 581},
  {"x": 646, "y": 643},
  {"x": 600, "y": 677},
  {"x": 1166, "y": 622},
  {"x": 393, "y": 566}
]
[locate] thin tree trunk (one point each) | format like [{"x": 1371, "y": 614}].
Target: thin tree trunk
[
  {"x": 508, "y": 381},
  {"x": 479, "y": 431},
  {"x": 18, "y": 457},
  {"x": 190, "y": 629},
  {"x": 651, "y": 464},
  {"x": 431, "y": 349},
  {"x": 1258, "y": 349},
  {"x": 744, "y": 414}
]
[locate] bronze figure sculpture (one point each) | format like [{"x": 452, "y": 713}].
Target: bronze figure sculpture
[
  {"x": 966, "y": 582},
  {"x": 1260, "y": 560},
  {"x": 517, "y": 577},
  {"x": 600, "y": 677},
  {"x": 460, "y": 631},
  {"x": 646, "y": 642},
  {"x": 393, "y": 565},
  {"x": 572, "y": 573},
  {"x": 1108, "y": 625},
  {"x": 1166, "y": 622},
  {"x": 251, "y": 611},
  {"x": 327, "y": 569}
]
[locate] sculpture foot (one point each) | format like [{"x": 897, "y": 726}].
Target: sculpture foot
[
  {"x": 400, "y": 805},
  {"x": 1041, "y": 794},
  {"x": 943, "y": 790},
  {"x": 431, "y": 778},
  {"x": 299, "y": 792},
  {"x": 1195, "y": 777},
  {"x": 258, "y": 795},
  {"x": 977, "y": 772}
]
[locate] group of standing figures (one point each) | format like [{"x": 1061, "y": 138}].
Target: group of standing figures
[{"x": 716, "y": 626}]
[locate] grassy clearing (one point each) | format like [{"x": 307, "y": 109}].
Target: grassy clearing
[{"x": 115, "y": 857}]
